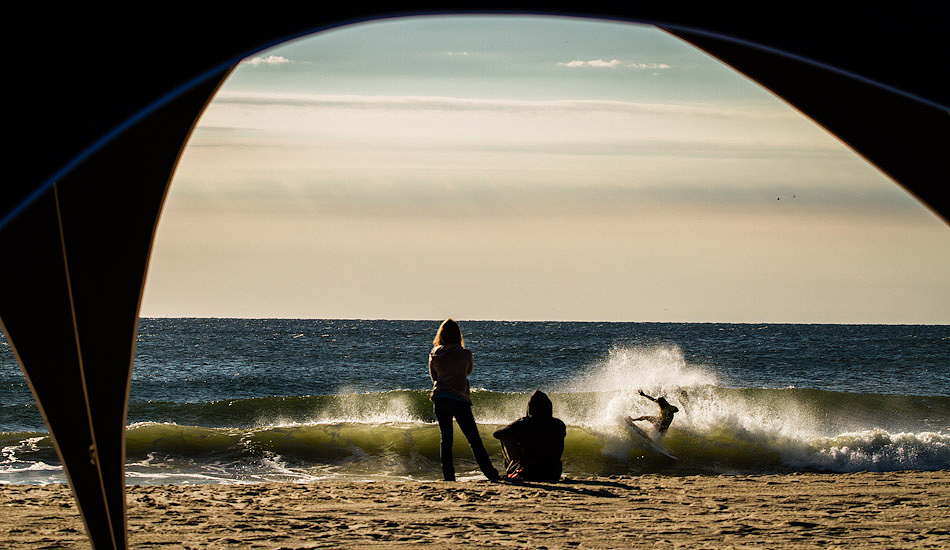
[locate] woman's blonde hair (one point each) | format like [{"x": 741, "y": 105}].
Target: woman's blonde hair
[{"x": 448, "y": 333}]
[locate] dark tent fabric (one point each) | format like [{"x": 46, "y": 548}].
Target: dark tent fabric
[
  {"x": 857, "y": 114},
  {"x": 76, "y": 262},
  {"x": 105, "y": 102}
]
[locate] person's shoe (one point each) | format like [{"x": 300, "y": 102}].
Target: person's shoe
[{"x": 515, "y": 475}]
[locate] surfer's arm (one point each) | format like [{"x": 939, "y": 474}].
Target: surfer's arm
[{"x": 647, "y": 396}]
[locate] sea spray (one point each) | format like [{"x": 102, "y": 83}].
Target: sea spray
[
  {"x": 614, "y": 382},
  {"x": 716, "y": 430}
]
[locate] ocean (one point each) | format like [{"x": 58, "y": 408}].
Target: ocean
[{"x": 301, "y": 400}]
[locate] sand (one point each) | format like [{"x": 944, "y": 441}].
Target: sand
[{"x": 887, "y": 510}]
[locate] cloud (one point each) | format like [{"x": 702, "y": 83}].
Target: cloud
[
  {"x": 269, "y": 60},
  {"x": 600, "y": 63},
  {"x": 612, "y": 64}
]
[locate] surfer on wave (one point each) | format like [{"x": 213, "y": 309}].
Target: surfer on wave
[{"x": 661, "y": 422}]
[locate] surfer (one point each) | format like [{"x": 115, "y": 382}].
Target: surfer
[
  {"x": 533, "y": 444},
  {"x": 661, "y": 422},
  {"x": 449, "y": 366}
]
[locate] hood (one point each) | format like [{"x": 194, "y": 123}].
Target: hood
[{"x": 539, "y": 405}]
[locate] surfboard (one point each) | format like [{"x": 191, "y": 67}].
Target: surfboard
[{"x": 647, "y": 439}]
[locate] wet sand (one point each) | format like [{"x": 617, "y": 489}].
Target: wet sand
[{"x": 885, "y": 510}]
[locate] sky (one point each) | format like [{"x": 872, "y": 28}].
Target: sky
[{"x": 526, "y": 168}]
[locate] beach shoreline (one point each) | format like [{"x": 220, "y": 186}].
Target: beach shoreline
[{"x": 905, "y": 509}]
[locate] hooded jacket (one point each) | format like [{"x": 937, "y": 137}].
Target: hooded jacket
[
  {"x": 540, "y": 437},
  {"x": 449, "y": 367}
]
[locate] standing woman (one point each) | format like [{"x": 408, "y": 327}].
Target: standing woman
[{"x": 449, "y": 366}]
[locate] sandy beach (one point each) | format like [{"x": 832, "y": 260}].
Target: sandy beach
[{"x": 892, "y": 510}]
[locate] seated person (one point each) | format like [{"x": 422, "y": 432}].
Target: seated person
[{"x": 533, "y": 444}]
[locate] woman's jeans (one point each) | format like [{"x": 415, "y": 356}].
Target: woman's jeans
[{"x": 445, "y": 409}]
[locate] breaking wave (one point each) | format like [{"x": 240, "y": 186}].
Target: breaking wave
[{"x": 393, "y": 434}]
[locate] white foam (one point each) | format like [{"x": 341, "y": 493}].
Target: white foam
[
  {"x": 351, "y": 406},
  {"x": 657, "y": 370},
  {"x": 31, "y": 467},
  {"x": 876, "y": 450}
]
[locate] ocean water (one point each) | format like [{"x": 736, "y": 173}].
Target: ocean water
[{"x": 255, "y": 400}]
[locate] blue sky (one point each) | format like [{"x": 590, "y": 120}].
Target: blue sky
[
  {"x": 530, "y": 168},
  {"x": 491, "y": 57}
]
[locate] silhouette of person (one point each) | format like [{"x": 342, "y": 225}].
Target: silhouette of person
[
  {"x": 661, "y": 422},
  {"x": 533, "y": 444},
  {"x": 449, "y": 366}
]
